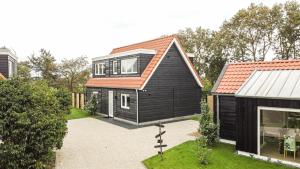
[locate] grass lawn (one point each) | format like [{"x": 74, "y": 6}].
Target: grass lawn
[
  {"x": 77, "y": 114},
  {"x": 196, "y": 117},
  {"x": 222, "y": 157}
]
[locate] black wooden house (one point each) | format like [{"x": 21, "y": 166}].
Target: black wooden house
[
  {"x": 8, "y": 62},
  {"x": 257, "y": 105},
  {"x": 145, "y": 82}
]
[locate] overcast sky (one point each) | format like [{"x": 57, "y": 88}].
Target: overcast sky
[{"x": 70, "y": 28}]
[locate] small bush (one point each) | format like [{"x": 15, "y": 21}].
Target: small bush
[
  {"x": 207, "y": 127},
  {"x": 202, "y": 151},
  {"x": 91, "y": 106},
  {"x": 64, "y": 99}
]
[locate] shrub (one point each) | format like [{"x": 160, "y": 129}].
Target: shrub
[
  {"x": 64, "y": 99},
  {"x": 91, "y": 106},
  {"x": 32, "y": 124},
  {"x": 202, "y": 150},
  {"x": 207, "y": 127}
]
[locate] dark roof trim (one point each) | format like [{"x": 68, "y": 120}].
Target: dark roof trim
[{"x": 216, "y": 85}]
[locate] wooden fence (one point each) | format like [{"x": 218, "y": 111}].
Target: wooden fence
[
  {"x": 78, "y": 100},
  {"x": 210, "y": 102}
]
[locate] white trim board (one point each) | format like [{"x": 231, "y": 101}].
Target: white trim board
[
  {"x": 190, "y": 66},
  {"x": 166, "y": 120},
  {"x": 125, "y": 121},
  {"x": 227, "y": 141},
  {"x": 130, "y": 52},
  {"x": 264, "y": 158},
  {"x": 5, "y": 51},
  {"x": 155, "y": 121}
]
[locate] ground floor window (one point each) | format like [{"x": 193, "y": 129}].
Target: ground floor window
[
  {"x": 125, "y": 101},
  {"x": 280, "y": 134}
]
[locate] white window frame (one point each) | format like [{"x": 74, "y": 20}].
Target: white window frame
[
  {"x": 115, "y": 67},
  {"x": 125, "y": 102},
  {"x": 99, "y": 71},
  {"x": 124, "y": 62}
]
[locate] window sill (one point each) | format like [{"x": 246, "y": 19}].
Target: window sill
[
  {"x": 127, "y": 108},
  {"x": 126, "y": 73}
]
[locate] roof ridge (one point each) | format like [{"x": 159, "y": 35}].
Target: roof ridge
[
  {"x": 161, "y": 37},
  {"x": 261, "y": 62}
]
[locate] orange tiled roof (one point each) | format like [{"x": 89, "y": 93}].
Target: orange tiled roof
[
  {"x": 160, "y": 45},
  {"x": 237, "y": 73}
]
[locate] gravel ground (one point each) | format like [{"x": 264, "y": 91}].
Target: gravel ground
[{"x": 107, "y": 144}]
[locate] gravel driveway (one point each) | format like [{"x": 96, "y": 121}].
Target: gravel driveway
[{"x": 107, "y": 144}]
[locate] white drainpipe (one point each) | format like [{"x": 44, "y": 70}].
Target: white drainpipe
[{"x": 137, "y": 106}]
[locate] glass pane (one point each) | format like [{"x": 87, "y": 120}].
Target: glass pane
[
  {"x": 115, "y": 67},
  {"x": 123, "y": 101},
  {"x": 96, "y": 69},
  {"x": 135, "y": 65},
  {"x": 102, "y": 68},
  {"x": 123, "y": 65}
]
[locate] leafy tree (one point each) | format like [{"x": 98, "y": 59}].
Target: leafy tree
[
  {"x": 287, "y": 42},
  {"x": 199, "y": 43},
  {"x": 24, "y": 70},
  {"x": 214, "y": 69},
  {"x": 32, "y": 124},
  {"x": 45, "y": 66},
  {"x": 186, "y": 38},
  {"x": 251, "y": 31},
  {"x": 74, "y": 73},
  {"x": 210, "y": 49}
]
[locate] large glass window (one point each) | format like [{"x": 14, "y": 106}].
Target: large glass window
[
  {"x": 280, "y": 134},
  {"x": 129, "y": 66},
  {"x": 100, "y": 69}
]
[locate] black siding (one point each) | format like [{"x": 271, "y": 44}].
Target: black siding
[
  {"x": 247, "y": 120},
  {"x": 227, "y": 117},
  {"x": 142, "y": 62},
  {"x": 102, "y": 106},
  {"x": 4, "y": 69},
  {"x": 171, "y": 92}
]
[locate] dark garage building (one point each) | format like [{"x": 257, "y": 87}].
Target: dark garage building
[
  {"x": 146, "y": 82},
  {"x": 257, "y": 106}
]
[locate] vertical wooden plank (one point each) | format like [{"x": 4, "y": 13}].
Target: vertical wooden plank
[
  {"x": 77, "y": 100},
  {"x": 73, "y": 99},
  {"x": 210, "y": 102},
  {"x": 81, "y": 100}
]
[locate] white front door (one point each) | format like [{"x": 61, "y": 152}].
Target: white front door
[{"x": 110, "y": 103}]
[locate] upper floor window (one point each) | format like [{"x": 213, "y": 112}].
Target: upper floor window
[
  {"x": 100, "y": 69},
  {"x": 115, "y": 67},
  {"x": 129, "y": 66}
]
